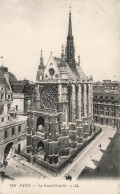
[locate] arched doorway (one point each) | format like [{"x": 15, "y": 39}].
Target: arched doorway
[
  {"x": 40, "y": 124},
  {"x": 8, "y": 149}
]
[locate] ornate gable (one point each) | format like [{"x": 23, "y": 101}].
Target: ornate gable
[{"x": 51, "y": 70}]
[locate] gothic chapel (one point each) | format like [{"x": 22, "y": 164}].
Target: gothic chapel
[{"x": 61, "y": 112}]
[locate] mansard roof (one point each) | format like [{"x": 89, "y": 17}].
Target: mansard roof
[
  {"x": 4, "y": 82},
  {"x": 18, "y": 86}
]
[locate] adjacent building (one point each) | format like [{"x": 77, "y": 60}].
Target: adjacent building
[
  {"x": 12, "y": 127},
  {"x": 106, "y": 103},
  {"x": 22, "y": 95}
]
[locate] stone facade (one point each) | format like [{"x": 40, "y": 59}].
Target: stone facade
[
  {"x": 12, "y": 127},
  {"x": 22, "y": 95},
  {"x": 60, "y": 116},
  {"x": 107, "y": 103},
  {"x": 12, "y": 135}
]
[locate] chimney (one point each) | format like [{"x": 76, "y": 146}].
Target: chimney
[{"x": 6, "y": 76}]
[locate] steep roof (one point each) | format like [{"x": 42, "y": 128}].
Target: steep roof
[
  {"x": 18, "y": 86},
  {"x": 81, "y": 73},
  {"x": 76, "y": 74},
  {"x": 4, "y": 82}
]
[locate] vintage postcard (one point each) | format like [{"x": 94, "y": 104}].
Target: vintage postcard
[{"x": 60, "y": 96}]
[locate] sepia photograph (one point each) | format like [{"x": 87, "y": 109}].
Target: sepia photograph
[{"x": 60, "y": 96}]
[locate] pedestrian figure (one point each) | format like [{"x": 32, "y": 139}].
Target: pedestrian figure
[{"x": 100, "y": 145}]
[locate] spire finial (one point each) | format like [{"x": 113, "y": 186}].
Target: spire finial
[
  {"x": 70, "y": 44},
  {"x": 70, "y": 23},
  {"x": 1, "y": 60},
  {"x": 41, "y": 58},
  {"x": 79, "y": 59},
  {"x": 70, "y": 9},
  {"x": 41, "y": 52},
  {"x": 62, "y": 54},
  {"x": 62, "y": 48},
  {"x": 40, "y": 72}
]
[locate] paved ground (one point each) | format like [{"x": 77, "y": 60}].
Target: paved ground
[
  {"x": 109, "y": 165},
  {"x": 15, "y": 169},
  {"x": 91, "y": 155},
  {"x": 88, "y": 159}
]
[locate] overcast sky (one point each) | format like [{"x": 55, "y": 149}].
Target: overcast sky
[{"x": 26, "y": 26}]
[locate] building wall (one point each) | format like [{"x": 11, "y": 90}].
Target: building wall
[
  {"x": 12, "y": 127},
  {"x": 56, "y": 137},
  {"x": 19, "y": 137},
  {"x": 74, "y": 100},
  {"x": 107, "y": 103},
  {"x": 18, "y": 100},
  {"x": 67, "y": 118},
  {"x": 5, "y": 103}
]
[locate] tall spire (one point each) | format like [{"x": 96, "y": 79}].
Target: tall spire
[
  {"x": 70, "y": 24},
  {"x": 41, "y": 59},
  {"x": 70, "y": 51},
  {"x": 40, "y": 71},
  {"x": 62, "y": 53}
]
